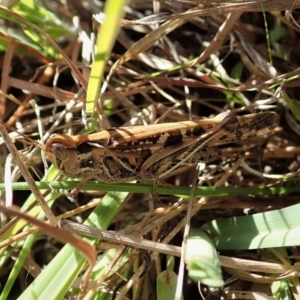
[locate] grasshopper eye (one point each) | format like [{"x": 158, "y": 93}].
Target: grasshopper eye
[{"x": 59, "y": 151}]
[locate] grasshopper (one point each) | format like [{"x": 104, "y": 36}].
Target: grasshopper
[{"x": 138, "y": 152}]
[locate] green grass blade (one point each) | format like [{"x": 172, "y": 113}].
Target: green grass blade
[
  {"x": 18, "y": 265},
  {"x": 58, "y": 276},
  {"x": 202, "y": 259},
  {"x": 180, "y": 191},
  {"x": 166, "y": 285},
  {"x": 114, "y": 12},
  {"x": 278, "y": 228}
]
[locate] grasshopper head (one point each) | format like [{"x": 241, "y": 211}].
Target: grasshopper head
[{"x": 61, "y": 151}]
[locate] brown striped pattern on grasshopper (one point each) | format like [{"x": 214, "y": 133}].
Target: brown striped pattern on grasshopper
[{"x": 130, "y": 153}]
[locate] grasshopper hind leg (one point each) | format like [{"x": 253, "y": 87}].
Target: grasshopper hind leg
[
  {"x": 181, "y": 158},
  {"x": 166, "y": 165}
]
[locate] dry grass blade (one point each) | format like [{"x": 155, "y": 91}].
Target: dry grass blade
[
  {"x": 120, "y": 238},
  {"x": 14, "y": 152},
  {"x": 222, "y": 7},
  {"x": 85, "y": 248}
]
